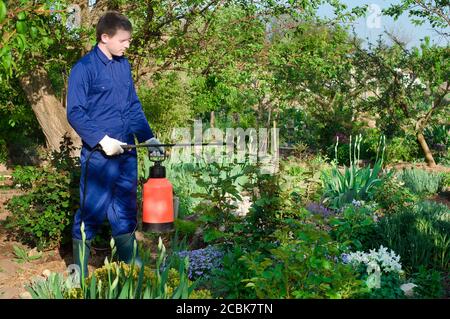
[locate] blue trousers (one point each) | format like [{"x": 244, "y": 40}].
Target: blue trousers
[{"x": 111, "y": 193}]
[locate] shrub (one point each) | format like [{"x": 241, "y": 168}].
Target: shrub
[
  {"x": 355, "y": 225},
  {"x": 166, "y": 104},
  {"x": 42, "y": 217},
  {"x": 302, "y": 180},
  {"x": 393, "y": 197},
  {"x": 429, "y": 283},
  {"x": 402, "y": 149},
  {"x": 438, "y": 139},
  {"x": 381, "y": 271},
  {"x": 303, "y": 265},
  {"x": 228, "y": 280},
  {"x": 420, "y": 234},
  {"x": 420, "y": 181}
]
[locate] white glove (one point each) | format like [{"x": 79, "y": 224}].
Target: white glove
[
  {"x": 155, "y": 150},
  {"x": 111, "y": 146}
]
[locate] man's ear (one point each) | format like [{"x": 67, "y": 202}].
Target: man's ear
[{"x": 105, "y": 38}]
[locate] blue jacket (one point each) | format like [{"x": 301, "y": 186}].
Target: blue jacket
[{"x": 102, "y": 100}]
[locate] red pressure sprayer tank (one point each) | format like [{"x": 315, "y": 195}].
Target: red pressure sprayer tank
[
  {"x": 157, "y": 197},
  {"x": 157, "y": 206}
]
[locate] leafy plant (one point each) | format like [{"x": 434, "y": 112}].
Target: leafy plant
[
  {"x": 355, "y": 226},
  {"x": 420, "y": 234},
  {"x": 420, "y": 181},
  {"x": 42, "y": 216},
  {"x": 393, "y": 197},
  {"x": 381, "y": 270},
  {"x": 355, "y": 183},
  {"x": 429, "y": 283},
  {"x": 402, "y": 149},
  {"x": 222, "y": 190},
  {"x": 439, "y": 139},
  {"x": 23, "y": 256},
  {"x": 228, "y": 280},
  {"x": 302, "y": 265},
  {"x": 302, "y": 180},
  {"x": 53, "y": 287}
]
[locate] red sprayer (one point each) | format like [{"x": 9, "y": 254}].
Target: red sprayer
[{"x": 157, "y": 197}]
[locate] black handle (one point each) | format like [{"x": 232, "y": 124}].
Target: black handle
[{"x": 129, "y": 146}]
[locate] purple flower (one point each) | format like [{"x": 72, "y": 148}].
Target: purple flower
[
  {"x": 343, "y": 139},
  {"x": 319, "y": 209},
  {"x": 344, "y": 258},
  {"x": 202, "y": 261}
]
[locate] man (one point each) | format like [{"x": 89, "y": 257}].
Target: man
[{"x": 103, "y": 108}]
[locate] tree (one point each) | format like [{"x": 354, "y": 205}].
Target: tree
[
  {"x": 436, "y": 12},
  {"x": 36, "y": 37},
  {"x": 33, "y": 38},
  {"x": 409, "y": 88},
  {"x": 314, "y": 70}
]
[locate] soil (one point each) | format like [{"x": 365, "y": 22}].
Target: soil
[{"x": 423, "y": 166}]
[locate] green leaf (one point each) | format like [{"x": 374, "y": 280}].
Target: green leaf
[
  {"x": 21, "y": 16},
  {"x": 213, "y": 234},
  {"x": 34, "y": 32},
  {"x": 21, "y": 43},
  {"x": 3, "y": 11},
  {"x": 93, "y": 288},
  {"x": 125, "y": 290},
  {"x": 7, "y": 60},
  {"x": 21, "y": 27}
]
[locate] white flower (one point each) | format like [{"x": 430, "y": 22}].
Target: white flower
[
  {"x": 408, "y": 289},
  {"x": 376, "y": 261}
]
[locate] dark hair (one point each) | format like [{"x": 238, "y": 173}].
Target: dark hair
[{"x": 110, "y": 22}]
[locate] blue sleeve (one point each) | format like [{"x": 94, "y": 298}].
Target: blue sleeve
[
  {"x": 138, "y": 121},
  {"x": 76, "y": 107}
]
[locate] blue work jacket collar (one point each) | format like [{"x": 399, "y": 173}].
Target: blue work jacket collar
[{"x": 103, "y": 56}]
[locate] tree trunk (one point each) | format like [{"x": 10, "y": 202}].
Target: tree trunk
[
  {"x": 212, "y": 119},
  {"x": 49, "y": 112},
  {"x": 426, "y": 150}
]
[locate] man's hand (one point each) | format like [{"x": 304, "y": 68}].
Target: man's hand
[
  {"x": 155, "y": 150},
  {"x": 111, "y": 146}
]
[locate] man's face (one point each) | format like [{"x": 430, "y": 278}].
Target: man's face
[{"x": 117, "y": 44}]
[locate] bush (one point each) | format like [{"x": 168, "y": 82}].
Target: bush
[
  {"x": 355, "y": 226},
  {"x": 402, "y": 149},
  {"x": 228, "y": 280},
  {"x": 438, "y": 139},
  {"x": 302, "y": 180},
  {"x": 43, "y": 216},
  {"x": 420, "y": 234},
  {"x": 421, "y": 182},
  {"x": 381, "y": 271},
  {"x": 429, "y": 283},
  {"x": 303, "y": 265},
  {"x": 166, "y": 104},
  {"x": 393, "y": 197}
]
